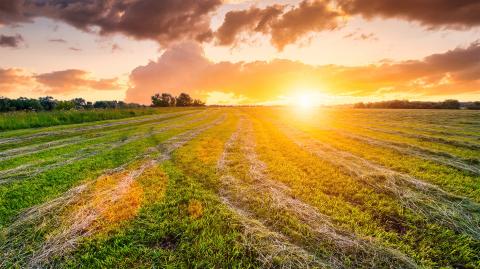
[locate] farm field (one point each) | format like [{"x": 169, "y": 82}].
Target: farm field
[{"x": 244, "y": 188}]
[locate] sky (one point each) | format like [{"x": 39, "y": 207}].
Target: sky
[{"x": 241, "y": 52}]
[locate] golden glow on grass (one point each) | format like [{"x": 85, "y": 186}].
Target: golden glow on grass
[{"x": 195, "y": 209}]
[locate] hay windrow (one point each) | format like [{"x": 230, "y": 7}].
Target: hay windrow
[
  {"x": 242, "y": 197},
  {"x": 439, "y": 157},
  {"x": 63, "y": 131},
  {"x": 457, "y": 213},
  {"x": 30, "y": 170},
  {"x": 84, "y": 210}
]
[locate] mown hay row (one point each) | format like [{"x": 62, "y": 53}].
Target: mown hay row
[
  {"x": 30, "y": 170},
  {"x": 458, "y": 213},
  {"x": 439, "y": 157},
  {"x": 55, "y": 228},
  {"x": 257, "y": 190},
  {"x": 65, "y": 130}
]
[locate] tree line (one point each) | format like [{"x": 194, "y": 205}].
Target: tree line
[
  {"x": 48, "y": 103},
  {"x": 405, "y": 104},
  {"x": 168, "y": 100}
]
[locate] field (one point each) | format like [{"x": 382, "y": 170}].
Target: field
[
  {"x": 244, "y": 188},
  {"x": 22, "y": 120}
]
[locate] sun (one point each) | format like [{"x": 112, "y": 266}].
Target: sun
[{"x": 305, "y": 100}]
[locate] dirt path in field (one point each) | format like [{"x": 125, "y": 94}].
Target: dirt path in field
[
  {"x": 79, "y": 212},
  {"x": 258, "y": 200},
  {"x": 458, "y": 213}
]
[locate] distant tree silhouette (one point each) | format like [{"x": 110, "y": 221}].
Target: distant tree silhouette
[
  {"x": 198, "y": 102},
  {"x": 105, "y": 104},
  {"x": 163, "y": 100},
  {"x": 473, "y": 105},
  {"x": 79, "y": 103},
  {"x": 48, "y": 103},
  {"x": 65, "y": 105},
  {"x": 405, "y": 104},
  {"x": 167, "y": 100},
  {"x": 184, "y": 100}
]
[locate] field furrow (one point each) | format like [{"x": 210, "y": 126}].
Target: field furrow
[{"x": 244, "y": 187}]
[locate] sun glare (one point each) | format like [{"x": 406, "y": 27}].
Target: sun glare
[{"x": 305, "y": 101}]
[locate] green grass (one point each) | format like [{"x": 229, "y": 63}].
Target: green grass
[
  {"x": 23, "y": 120},
  {"x": 244, "y": 188}
]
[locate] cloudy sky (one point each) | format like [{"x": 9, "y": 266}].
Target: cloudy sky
[{"x": 241, "y": 52}]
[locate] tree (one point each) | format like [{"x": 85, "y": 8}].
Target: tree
[
  {"x": 105, "y": 104},
  {"x": 164, "y": 100},
  {"x": 184, "y": 100},
  {"x": 198, "y": 102},
  {"x": 451, "y": 104},
  {"x": 65, "y": 105},
  {"x": 79, "y": 103},
  {"x": 48, "y": 103},
  {"x": 474, "y": 105}
]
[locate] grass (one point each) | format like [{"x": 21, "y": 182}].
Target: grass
[
  {"x": 24, "y": 120},
  {"x": 244, "y": 188}
]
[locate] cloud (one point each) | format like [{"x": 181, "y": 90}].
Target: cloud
[
  {"x": 116, "y": 47},
  {"x": 174, "y": 21},
  {"x": 431, "y": 13},
  {"x": 284, "y": 26},
  {"x": 75, "y": 49},
  {"x": 57, "y": 40},
  {"x": 12, "y": 79},
  {"x": 11, "y": 41},
  {"x": 73, "y": 80},
  {"x": 165, "y": 21},
  {"x": 10, "y": 11},
  {"x": 253, "y": 19},
  {"x": 185, "y": 68},
  {"x": 358, "y": 35}
]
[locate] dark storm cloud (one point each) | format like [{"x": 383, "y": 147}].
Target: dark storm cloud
[{"x": 13, "y": 41}]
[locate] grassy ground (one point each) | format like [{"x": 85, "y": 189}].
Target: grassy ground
[
  {"x": 23, "y": 120},
  {"x": 245, "y": 188}
]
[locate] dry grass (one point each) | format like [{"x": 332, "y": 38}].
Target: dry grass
[
  {"x": 195, "y": 209},
  {"x": 430, "y": 201},
  {"x": 32, "y": 169},
  {"x": 442, "y": 158},
  {"x": 256, "y": 189},
  {"x": 94, "y": 207}
]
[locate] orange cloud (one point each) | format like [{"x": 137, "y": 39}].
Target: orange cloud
[
  {"x": 185, "y": 68},
  {"x": 16, "y": 82},
  {"x": 12, "y": 79},
  {"x": 73, "y": 80}
]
